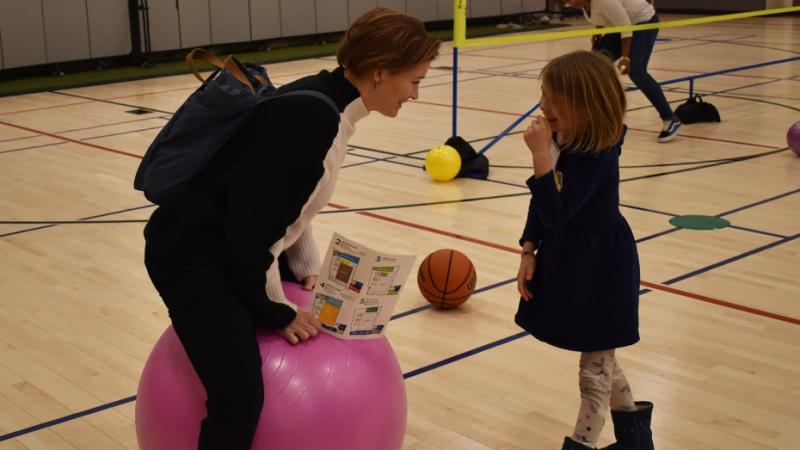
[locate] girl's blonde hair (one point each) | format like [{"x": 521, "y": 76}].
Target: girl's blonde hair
[{"x": 584, "y": 89}]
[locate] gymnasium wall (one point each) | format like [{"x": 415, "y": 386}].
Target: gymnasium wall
[{"x": 34, "y": 32}]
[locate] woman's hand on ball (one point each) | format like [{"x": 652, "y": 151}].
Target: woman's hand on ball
[
  {"x": 302, "y": 328},
  {"x": 310, "y": 282}
]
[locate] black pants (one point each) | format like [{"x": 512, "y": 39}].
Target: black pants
[
  {"x": 641, "y": 49},
  {"x": 219, "y": 334}
]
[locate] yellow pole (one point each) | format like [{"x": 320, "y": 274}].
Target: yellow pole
[{"x": 459, "y": 22}]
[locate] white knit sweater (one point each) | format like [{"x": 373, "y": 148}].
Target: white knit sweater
[{"x": 298, "y": 242}]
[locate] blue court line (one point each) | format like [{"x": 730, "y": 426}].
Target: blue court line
[
  {"x": 731, "y": 259},
  {"x": 478, "y": 349},
  {"x": 508, "y": 129},
  {"x": 516, "y": 336},
  {"x": 423, "y": 369},
  {"x": 475, "y": 351},
  {"x": 477, "y": 291},
  {"x": 753, "y": 230},
  {"x": 396, "y": 316},
  {"x": 60, "y": 420},
  {"x": 116, "y": 403},
  {"x": 760, "y": 202},
  {"x": 463, "y": 355}
]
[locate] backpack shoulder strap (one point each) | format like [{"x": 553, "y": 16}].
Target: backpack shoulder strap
[{"x": 310, "y": 93}]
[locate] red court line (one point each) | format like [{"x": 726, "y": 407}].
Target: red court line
[
  {"x": 703, "y": 298},
  {"x": 62, "y": 138},
  {"x": 464, "y": 238},
  {"x": 429, "y": 229},
  {"x": 648, "y": 284},
  {"x": 45, "y": 107}
]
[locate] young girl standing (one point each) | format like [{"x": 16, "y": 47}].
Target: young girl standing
[{"x": 579, "y": 270}]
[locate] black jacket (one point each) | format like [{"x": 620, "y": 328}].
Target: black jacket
[{"x": 215, "y": 236}]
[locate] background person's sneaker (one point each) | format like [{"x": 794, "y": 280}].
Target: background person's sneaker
[{"x": 670, "y": 130}]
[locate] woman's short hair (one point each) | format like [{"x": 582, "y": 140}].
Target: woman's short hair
[
  {"x": 584, "y": 89},
  {"x": 384, "y": 39}
]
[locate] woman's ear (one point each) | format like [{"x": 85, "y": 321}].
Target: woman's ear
[{"x": 379, "y": 76}]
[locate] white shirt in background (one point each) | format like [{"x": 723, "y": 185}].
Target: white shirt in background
[{"x": 611, "y": 13}]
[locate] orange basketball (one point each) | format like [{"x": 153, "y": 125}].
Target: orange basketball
[{"x": 446, "y": 278}]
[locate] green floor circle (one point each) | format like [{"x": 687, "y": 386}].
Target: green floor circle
[{"x": 699, "y": 222}]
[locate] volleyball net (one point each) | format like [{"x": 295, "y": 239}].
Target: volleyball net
[{"x": 460, "y": 41}]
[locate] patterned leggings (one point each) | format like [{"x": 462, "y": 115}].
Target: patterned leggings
[{"x": 602, "y": 384}]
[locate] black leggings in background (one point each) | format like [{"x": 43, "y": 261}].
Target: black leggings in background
[
  {"x": 219, "y": 335},
  {"x": 641, "y": 48}
]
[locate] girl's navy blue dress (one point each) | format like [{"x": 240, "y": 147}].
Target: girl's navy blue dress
[{"x": 586, "y": 283}]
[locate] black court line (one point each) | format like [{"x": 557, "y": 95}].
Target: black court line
[
  {"x": 659, "y": 234},
  {"x": 80, "y": 129},
  {"x": 463, "y": 200},
  {"x": 81, "y": 220},
  {"x": 112, "y": 124},
  {"x": 32, "y": 147},
  {"x": 110, "y": 102},
  {"x": 26, "y": 230},
  {"x": 641, "y": 208},
  {"x": 135, "y": 208},
  {"x": 20, "y": 138},
  {"x": 122, "y": 133}
]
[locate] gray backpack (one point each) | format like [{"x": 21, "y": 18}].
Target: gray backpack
[{"x": 205, "y": 122}]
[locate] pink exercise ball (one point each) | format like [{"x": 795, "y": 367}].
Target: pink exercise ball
[
  {"x": 793, "y": 138},
  {"x": 325, "y": 393}
]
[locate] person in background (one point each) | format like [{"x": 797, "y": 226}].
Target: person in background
[{"x": 631, "y": 51}]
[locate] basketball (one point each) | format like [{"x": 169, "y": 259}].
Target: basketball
[{"x": 446, "y": 278}]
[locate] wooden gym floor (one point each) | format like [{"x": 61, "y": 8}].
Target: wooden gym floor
[{"x": 720, "y": 310}]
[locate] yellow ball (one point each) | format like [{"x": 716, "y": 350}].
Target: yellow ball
[{"x": 443, "y": 163}]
